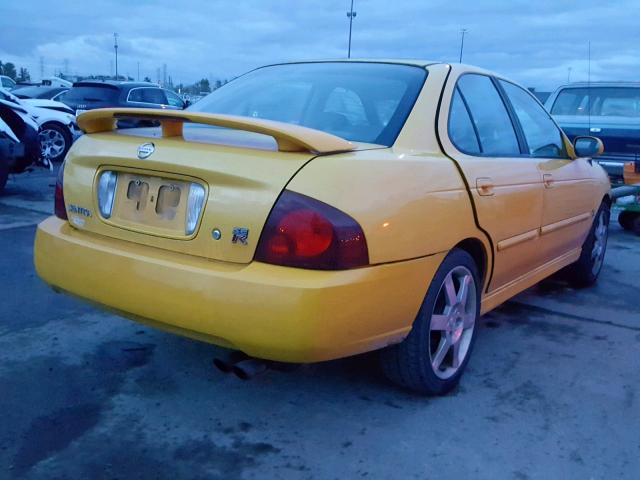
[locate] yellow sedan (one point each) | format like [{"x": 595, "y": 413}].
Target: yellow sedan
[{"x": 311, "y": 211}]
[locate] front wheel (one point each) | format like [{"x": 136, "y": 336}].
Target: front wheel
[
  {"x": 55, "y": 141},
  {"x": 433, "y": 356},
  {"x": 584, "y": 272}
]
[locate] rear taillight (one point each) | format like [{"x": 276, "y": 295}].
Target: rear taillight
[
  {"x": 107, "y": 184},
  {"x": 306, "y": 233},
  {"x": 195, "y": 201},
  {"x": 59, "y": 208}
]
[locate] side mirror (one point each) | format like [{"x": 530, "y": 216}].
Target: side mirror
[
  {"x": 187, "y": 104},
  {"x": 588, "y": 146}
]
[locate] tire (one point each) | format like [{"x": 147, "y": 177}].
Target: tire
[
  {"x": 584, "y": 272},
  {"x": 625, "y": 219},
  {"x": 55, "y": 141},
  {"x": 424, "y": 361}
]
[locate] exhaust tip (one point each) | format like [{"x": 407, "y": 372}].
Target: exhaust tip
[
  {"x": 222, "y": 365},
  {"x": 225, "y": 363},
  {"x": 247, "y": 369}
]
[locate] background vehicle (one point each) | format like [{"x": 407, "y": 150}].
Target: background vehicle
[
  {"x": 58, "y": 129},
  {"x": 345, "y": 206},
  {"x": 7, "y": 82},
  {"x": 629, "y": 217},
  {"x": 39, "y": 92},
  {"x": 608, "y": 110},
  {"x": 56, "y": 82},
  {"x": 19, "y": 144},
  {"x": 87, "y": 95}
]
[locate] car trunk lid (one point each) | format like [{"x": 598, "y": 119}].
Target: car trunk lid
[{"x": 242, "y": 171}]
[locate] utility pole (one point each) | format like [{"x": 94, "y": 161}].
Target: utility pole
[
  {"x": 463, "y": 31},
  {"x": 569, "y": 75},
  {"x": 351, "y": 14},
  {"x": 115, "y": 47},
  {"x": 41, "y": 68}
]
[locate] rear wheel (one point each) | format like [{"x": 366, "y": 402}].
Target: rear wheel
[
  {"x": 584, "y": 272},
  {"x": 434, "y": 355}
]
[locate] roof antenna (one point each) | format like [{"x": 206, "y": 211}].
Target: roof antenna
[{"x": 589, "y": 88}]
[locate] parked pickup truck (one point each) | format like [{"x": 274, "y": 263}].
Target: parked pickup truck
[{"x": 608, "y": 110}]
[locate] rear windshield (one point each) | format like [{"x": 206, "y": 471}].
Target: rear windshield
[
  {"x": 35, "y": 92},
  {"x": 598, "y": 101},
  {"x": 362, "y": 102},
  {"x": 92, "y": 94}
]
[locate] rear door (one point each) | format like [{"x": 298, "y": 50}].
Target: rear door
[
  {"x": 569, "y": 185},
  {"x": 505, "y": 185}
]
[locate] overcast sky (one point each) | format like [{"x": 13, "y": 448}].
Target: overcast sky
[{"x": 533, "y": 42}]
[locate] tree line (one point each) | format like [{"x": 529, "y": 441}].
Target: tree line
[{"x": 9, "y": 69}]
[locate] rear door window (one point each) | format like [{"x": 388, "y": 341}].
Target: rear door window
[
  {"x": 154, "y": 95},
  {"x": 489, "y": 116},
  {"x": 174, "y": 100},
  {"x": 541, "y": 133},
  {"x": 461, "y": 131}
]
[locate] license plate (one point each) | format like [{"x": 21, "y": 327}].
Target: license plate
[{"x": 151, "y": 204}]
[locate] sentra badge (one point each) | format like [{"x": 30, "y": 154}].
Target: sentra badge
[
  {"x": 85, "y": 212},
  {"x": 145, "y": 150}
]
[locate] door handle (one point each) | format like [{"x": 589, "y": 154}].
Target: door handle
[
  {"x": 484, "y": 185},
  {"x": 548, "y": 180}
]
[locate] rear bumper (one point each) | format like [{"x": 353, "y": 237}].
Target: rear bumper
[{"x": 267, "y": 311}]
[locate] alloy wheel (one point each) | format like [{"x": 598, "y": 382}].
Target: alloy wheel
[
  {"x": 452, "y": 322},
  {"x": 52, "y": 143},
  {"x": 600, "y": 233}
]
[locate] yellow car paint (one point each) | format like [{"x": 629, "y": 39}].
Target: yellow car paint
[
  {"x": 415, "y": 202},
  {"x": 267, "y": 311},
  {"x": 290, "y": 138}
]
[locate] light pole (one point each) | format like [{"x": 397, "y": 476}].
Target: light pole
[
  {"x": 463, "y": 31},
  {"x": 351, "y": 14},
  {"x": 115, "y": 47},
  {"x": 569, "y": 75}
]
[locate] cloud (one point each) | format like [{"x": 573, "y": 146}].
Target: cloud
[{"x": 535, "y": 43}]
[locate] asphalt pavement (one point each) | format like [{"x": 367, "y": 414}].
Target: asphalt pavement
[{"x": 552, "y": 390}]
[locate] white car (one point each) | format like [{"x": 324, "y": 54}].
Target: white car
[
  {"x": 58, "y": 129},
  {"x": 7, "y": 82}
]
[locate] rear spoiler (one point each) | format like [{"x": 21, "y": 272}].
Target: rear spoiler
[{"x": 290, "y": 138}]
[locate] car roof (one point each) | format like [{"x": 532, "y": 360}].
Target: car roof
[
  {"x": 422, "y": 63},
  {"x": 601, "y": 84},
  {"x": 113, "y": 83},
  {"x": 399, "y": 61}
]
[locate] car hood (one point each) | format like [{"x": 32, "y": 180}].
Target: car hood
[
  {"x": 24, "y": 113},
  {"x": 44, "y": 115},
  {"x": 43, "y": 103}
]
